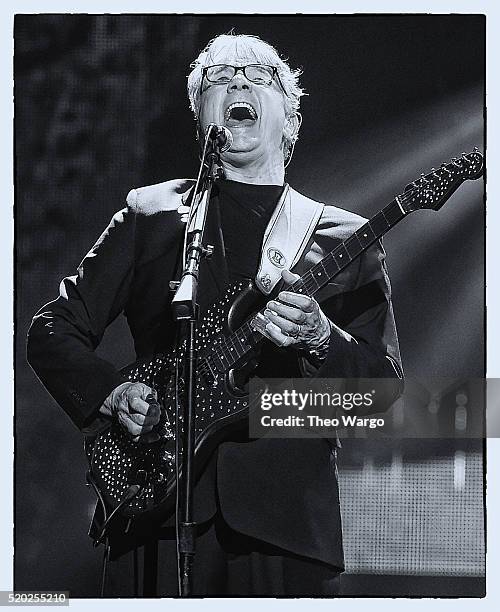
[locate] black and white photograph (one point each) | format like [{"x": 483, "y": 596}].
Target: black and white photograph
[{"x": 220, "y": 218}]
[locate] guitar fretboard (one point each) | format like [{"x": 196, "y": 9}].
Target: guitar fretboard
[
  {"x": 346, "y": 252},
  {"x": 225, "y": 354}
]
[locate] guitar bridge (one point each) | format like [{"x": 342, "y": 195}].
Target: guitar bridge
[{"x": 208, "y": 373}]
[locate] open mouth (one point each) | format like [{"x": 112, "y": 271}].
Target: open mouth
[{"x": 240, "y": 113}]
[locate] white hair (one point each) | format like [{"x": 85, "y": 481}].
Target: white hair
[{"x": 248, "y": 47}]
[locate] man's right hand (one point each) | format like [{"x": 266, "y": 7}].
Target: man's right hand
[{"x": 138, "y": 417}]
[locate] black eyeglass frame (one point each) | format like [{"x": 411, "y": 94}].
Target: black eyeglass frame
[{"x": 275, "y": 74}]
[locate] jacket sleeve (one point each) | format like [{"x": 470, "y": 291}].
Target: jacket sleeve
[
  {"x": 65, "y": 333},
  {"x": 362, "y": 307}
]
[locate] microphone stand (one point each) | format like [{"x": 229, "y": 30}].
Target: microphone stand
[{"x": 185, "y": 309}]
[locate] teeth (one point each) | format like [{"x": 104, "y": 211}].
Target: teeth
[{"x": 252, "y": 110}]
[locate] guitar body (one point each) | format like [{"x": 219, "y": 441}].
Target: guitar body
[{"x": 117, "y": 462}]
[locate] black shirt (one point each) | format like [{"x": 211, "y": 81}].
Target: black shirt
[{"x": 245, "y": 211}]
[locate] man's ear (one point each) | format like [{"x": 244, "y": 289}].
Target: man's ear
[
  {"x": 199, "y": 133},
  {"x": 290, "y": 135},
  {"x": 292, "y": 126}
]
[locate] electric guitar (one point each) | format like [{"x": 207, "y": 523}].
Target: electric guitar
[{"x": 137, "y": 480}]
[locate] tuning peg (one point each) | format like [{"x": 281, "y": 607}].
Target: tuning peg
[{"x": 476, "y": 150}]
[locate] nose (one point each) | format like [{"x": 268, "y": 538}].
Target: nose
[{"x": 239, "y": 83}]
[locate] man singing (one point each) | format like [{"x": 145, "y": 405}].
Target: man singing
[{"x": 267, "y": 510}]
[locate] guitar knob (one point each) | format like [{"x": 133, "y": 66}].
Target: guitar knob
[{"x": 167, "y": 457}]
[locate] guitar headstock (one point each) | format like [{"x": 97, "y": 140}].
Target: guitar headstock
[{"x": 432, "y": 190}]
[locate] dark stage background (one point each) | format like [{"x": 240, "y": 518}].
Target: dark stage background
[{"x": 101, "y": 108}]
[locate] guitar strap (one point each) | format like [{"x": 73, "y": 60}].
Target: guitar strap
[{"x": 286, "y": 236}]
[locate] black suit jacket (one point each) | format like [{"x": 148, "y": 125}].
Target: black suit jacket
[{"x": 280, "y": 491}]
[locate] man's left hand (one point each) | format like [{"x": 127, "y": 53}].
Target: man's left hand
[{"x": 296, "y": 320}]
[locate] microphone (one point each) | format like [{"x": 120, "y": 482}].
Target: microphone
[{"x": 220, "y": 136}]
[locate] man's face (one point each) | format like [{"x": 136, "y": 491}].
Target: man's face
[{"x": 254, "y": 113}]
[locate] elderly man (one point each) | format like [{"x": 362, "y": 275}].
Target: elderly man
[{"x": 267, "y": 510}]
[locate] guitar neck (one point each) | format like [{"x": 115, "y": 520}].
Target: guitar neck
[
  {"x": 348, "y": 250},
  {"x": 234, "y": 347}
]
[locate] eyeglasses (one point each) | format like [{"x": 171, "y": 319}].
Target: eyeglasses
[{"x": 261, "y": 74}]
